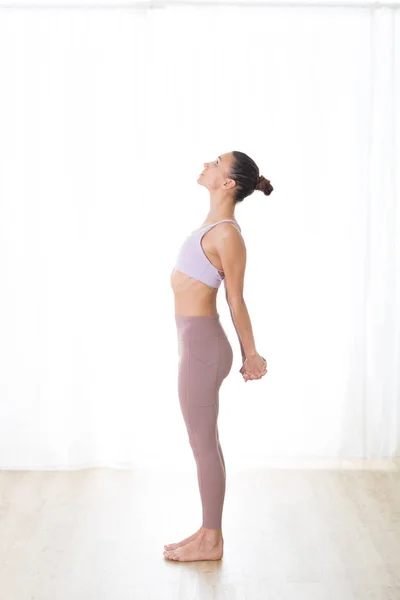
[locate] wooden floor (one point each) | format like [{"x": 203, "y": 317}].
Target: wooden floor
[{"x": 289, "y": 535}]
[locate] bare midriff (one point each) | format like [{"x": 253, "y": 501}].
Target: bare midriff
[{"x": 193, "y": 297}]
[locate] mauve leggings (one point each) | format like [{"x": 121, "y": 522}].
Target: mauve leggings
[{"x": 205, "y": 360}]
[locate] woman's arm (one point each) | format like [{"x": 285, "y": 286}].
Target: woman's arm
[
  {"x": 237, "y": 333},
  {"x": 232, "y": 252},
  {"x": 241, "y": 322}
]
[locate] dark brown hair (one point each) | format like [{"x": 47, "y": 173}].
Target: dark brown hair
[{"x": 247, "y": 176}]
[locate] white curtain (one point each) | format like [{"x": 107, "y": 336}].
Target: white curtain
[{"x": 106, "y": 118}]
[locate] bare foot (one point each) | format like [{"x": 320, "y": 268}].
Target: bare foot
[
  {"x": 187, "y": 540},
  {"x": 199, "y": 549}
]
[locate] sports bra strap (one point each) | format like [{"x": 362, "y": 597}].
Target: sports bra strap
[{"x": 222, "y": 221}]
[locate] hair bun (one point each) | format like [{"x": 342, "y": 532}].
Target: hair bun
[{"x": 264, "y": 185}]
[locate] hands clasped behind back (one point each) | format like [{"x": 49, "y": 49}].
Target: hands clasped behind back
[{"x": 254, "y": 367}]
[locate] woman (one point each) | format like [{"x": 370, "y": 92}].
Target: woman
[{"x": 214, "y": 252}]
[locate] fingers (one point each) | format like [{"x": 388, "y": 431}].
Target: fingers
[{"x": 249, "y": 376}]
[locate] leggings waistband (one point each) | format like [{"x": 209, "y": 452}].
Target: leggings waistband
[{"x": 199, "y": 327}]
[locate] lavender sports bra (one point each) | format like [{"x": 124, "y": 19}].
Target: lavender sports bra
[{"x": 192, "y": 260}]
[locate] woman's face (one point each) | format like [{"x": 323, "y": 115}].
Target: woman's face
[{"x": 215, "y": 173}]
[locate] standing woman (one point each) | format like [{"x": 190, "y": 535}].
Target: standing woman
[{"x": 214, "y": 252}]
